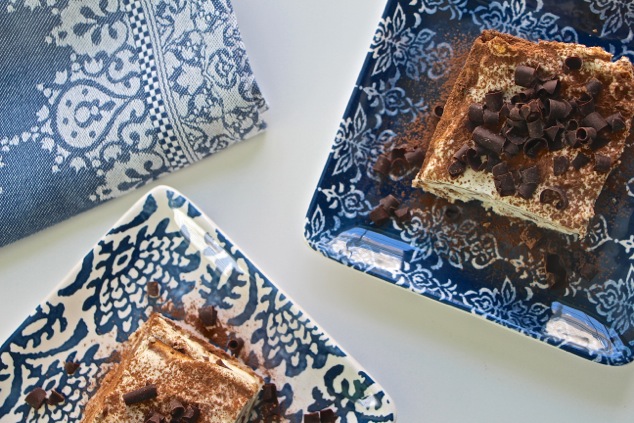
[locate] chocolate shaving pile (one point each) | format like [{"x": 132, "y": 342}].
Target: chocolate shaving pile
[{"x": 536, "y": 120}]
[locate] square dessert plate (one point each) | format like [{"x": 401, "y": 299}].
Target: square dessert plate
[
  {"x": 166, "y": 239},
  {"x": 460, "y": 254}
]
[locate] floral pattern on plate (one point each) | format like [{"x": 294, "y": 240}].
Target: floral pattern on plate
[
  {"x": 166, "y": 239},
  {"x": 459, "y": 261}
]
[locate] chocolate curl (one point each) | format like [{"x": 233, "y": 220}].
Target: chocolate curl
[
  {"x": 504, "y": 184},
  {"x": 234, "y": 345},
  {"x": 515, "y": 139},
  {"x": 616, "y": 122},
  {"x": 557, "y": 109},
  {"x": 494, "y": 100},
  {"x": 140, "y": 395},
  {"x": 524, "y": 76},
  {"x": 572, "y": 125},
  {"x": 535, "y": 127},
  {"x": 553, "y": 136},
  {"x": 456, "y": 168},
  {"x": 399, "y": 167},
  {"x": 571, "y": 139},
  {"x": 505, "y": 110},
  {"x": 511, "y": 149},
  {"x": 572, "y": 63},
  {"x": 549, "y": 87},
  {"x": 491, "y": 118},
  {"x": 560, "y": 165},
  {"x": 585, "y": 104},
  {"x": 382, "y": 165},
  {"x": 594, "y": 87},
  {"x": 598, "y": 142},
  {"x": 389, "y": 202},
  {"x": 438, "y": 110},
  {"x": 526, "y": 190},
  {"x": 402, "y": 214},
  {"x": 55, "y": 398},
  {"x": 585, "y": 134},
  {"x": 555, "y": 196},
  {"x": 192, "y": 413},
  {"x": 415, "y": 157},
  {"x": 474, "y": 160},
  {"x": 488, "y": 139},
  {"x": 462, "y": 153},
  {"x": 580, "y": 161},
  {"x": 155, "y": 417},
  {"x": 602, "y": 163},
  {"x": 500, "y": 169},
  {"x": 534, "y": 146},
  {"x": 36, "y": 398},
  {"x": 514, "y": 114},
  {"x": 530, "y": 175},
  {"x": 596, "y": 121},
  {"x": 492, "y": 160},
  {"x": 476, "y": 113},
  {"x": 176, "y": 409}
]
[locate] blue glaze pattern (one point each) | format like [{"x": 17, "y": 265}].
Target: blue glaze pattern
[
  {"x": 460, "y": 262},
  {"x": 165, "y": 238}
]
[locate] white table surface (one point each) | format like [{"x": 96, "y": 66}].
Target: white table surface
[{"x": 437, "y": 363}]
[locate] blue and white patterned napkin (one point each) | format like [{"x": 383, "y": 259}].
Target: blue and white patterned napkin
[{"x": 98, "y": 97}]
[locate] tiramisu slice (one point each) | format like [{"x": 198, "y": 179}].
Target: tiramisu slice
[
  {"x": 168, "y": 374},
  {"x": 532, "y": 130}
]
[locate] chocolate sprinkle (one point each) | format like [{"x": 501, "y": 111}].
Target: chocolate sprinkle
[
  {"x": 594, "y": 87},
  {"x": 487, "y": 139},
  {"x": 616, "y": 122},
  {"x": 208, "y": 315},
  {"x": 555, "y": 196},
  {"x": 580, "y": 161},
  {"x": 311, "y": 418},
  {"x": 524, "y": 76},
  {"x": 602, "y": 163},
  {"x": 327, "y": 416},
  {"x": 71, "y": 367},
  {"x": 494, "y": 101},
  {"x": 560, "y": 165},
  {"x": 55, "y": 398},
  {"x": 176, "y": 408},
  {"x": 379, "y": 215},
  {"x": 36, "y": 398},
  {"x": 595, "y": 120},
  {"x": 140, "y": 395},
  {"x": 573, "y": 63},
  {"x": 456, "y": 169}
]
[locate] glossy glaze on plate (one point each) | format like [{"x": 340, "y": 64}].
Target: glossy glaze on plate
[
  {"x": 460, "y": 262},
  {"x": 165, "y": 238}
]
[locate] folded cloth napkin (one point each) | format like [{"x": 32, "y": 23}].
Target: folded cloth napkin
[{"x": 98, "y": 97}]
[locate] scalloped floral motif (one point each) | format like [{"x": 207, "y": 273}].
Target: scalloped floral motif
[
  {"x": 617, "y": 17},
  {"x": 615, "y": 301}
]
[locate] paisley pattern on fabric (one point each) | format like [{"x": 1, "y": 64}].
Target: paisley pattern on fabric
[
  {"x": 106, "y": 95},
  {"x": 166, "y": 239},
  {"x": 459, "y": 261}
]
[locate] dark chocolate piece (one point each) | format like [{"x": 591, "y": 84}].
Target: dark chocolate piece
[
  {"x": 504, "y": 184},
  {"x": 192, "y": 413},
  {"x": 415, "y": 157},
  {"x": 327, "y": 416},
  {"x": 153, "y": 289},
  {"x": 560, "y": 165},
  {"x": 555, "y": 196},
  {"x": 235, "y": 344},
  {"x": 476, "y": 113},
  {"x": 208, "y": 315},
  {"x": 491, "y": 118},
  {"x": 176, "y": 408},
  {"x": 602, "y": 163},
  {"x": 524, "y": 76},
  {"x": 580, "y": 161},
  {"x": 389, "y": 202},
  {"x": 140, "y": 395},
  {"x": 155, "y": 417},
  {"x": 269, "y": 392},
  {"x": 534, "y": 146},
  {"x": 55, "y": 398},
  {"x": 594, "y": 87},
  {"x": 573, "y": 63},
  {"x": 530, "y": 175},
  {"x": 494, "y": 101},
  {"x": 595, "y": 120},
  {"x": 500, "y": 169},
  {"x": 311, "y": 417},
  {"x": 438, "y": 110},
  {"x": 382, "y": 165},
  {"x": 379, "y": 215},
  {"x": 616, "y": 122},
  {"x": 71, "y": 367},
  {"x": 36, "y": 398},
  {"x": 489, "y": 140},
  {"x": 456, "y": 169},
  {"x": 526, "y": 190}
]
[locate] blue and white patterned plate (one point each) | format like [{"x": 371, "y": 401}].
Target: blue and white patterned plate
[
  {"x": 165, "y": 238},
  {"x": 461, "y": 262}
]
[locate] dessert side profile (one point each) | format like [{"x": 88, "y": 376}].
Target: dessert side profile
[{"x": 532, "y": 130}]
